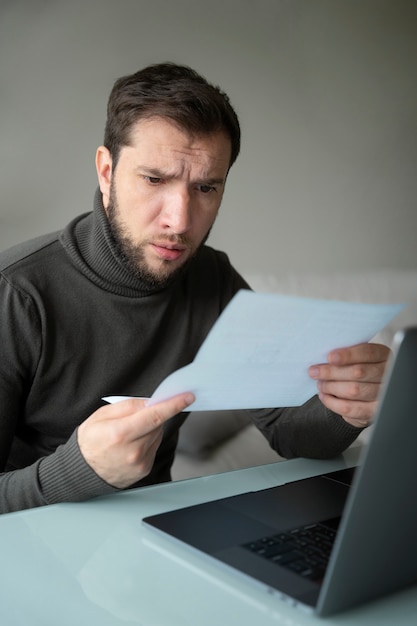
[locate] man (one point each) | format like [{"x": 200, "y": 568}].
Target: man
[{"x": 126, "y": 294}]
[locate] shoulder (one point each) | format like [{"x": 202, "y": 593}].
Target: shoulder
[
  {"x": 31, "y": 267},
  {"x": 27, "y": 251}
]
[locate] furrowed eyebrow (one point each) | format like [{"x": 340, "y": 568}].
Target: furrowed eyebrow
[
  {"x": 156, "y": 173},
  {"x": 153, "y": 172},
  {"x": 212, "y": 181}
]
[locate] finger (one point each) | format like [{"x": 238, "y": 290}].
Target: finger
[
  {"x": 360, "y": 353},
  {"x": 358, "y": 391},
  {"x": 360, "y": 372},
  {"x": 123, "y": 408},
  {"x": 154, "y": 416},
  {"x": 358, "y": 414},
  {"x": 130, "y": 407}
]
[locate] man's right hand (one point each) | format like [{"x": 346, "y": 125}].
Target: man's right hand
[{"x": 119, "y": 441}]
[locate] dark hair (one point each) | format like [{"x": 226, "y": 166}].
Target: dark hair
[{"x": 171, "y": 91}]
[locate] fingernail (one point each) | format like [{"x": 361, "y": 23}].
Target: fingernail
[
  {"x": 189, "y": 398},
  {"x": 313, "y": 371},
  {"x": 334, "y": 358}
]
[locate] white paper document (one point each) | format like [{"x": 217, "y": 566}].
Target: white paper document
[{"x": 259, "y": 350}]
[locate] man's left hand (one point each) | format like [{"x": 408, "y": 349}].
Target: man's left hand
[{"x": 350, "y": 382}]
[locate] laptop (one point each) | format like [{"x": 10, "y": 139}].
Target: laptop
[{"x": 357, "y": 526}]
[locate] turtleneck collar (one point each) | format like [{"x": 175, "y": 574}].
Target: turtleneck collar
[{"x": 90, "y": 244}]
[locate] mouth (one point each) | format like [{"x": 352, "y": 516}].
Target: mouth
[{"x": 168, "y": 251}]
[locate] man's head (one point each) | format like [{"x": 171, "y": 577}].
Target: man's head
[
  {"x": 169, "y": 143},
  {"x": 175, "y": 92}
]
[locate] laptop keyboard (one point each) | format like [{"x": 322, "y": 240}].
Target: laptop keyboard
[{"x": 305, "y": 550}]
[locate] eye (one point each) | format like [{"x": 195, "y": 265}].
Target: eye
[
  {"x": 206, "y": 188},
  {"x": 153, "y": 180}
]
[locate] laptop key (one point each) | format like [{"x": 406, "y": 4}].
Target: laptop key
[
  {"x": 286, "y": 558},
  {"x": 304, "y": 550}
]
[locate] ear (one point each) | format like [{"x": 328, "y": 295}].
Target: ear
[{"x": 104, "y": 173}]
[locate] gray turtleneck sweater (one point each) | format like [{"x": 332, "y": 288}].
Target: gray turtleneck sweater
[{"x": 77, "y": 325}]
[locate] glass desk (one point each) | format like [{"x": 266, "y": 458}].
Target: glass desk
[{"x": 94, "y": 563}]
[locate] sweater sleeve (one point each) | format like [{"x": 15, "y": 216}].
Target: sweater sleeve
[
  {"x": 310, "y": 430},
  {"x": 63, "y": 476}
]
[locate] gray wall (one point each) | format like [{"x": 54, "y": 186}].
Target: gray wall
[{"x": 325, "y": 90}]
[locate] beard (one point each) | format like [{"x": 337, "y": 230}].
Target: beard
[{"x": 133, "y": 254}]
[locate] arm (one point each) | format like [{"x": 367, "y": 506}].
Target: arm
[
  {"x": 310, "y": 430},
  {"x": 349, "y": 386},
  {"x": 63, "y": 476},
  {"x": 30, "y": 478},
  {"x": 349, "y": 383},
  {"x": 37, "y": 470},
  {"x": 112, "y": 449}
]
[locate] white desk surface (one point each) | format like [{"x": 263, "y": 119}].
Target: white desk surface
[{"x": 94, "y": 563}]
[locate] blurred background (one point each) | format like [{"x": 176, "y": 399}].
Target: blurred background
[{"x": 325, "y": 90}]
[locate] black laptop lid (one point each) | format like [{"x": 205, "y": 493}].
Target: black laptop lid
[{"x": 376, "y": 548}]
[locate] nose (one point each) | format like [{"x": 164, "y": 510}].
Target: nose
[{"x": 176, "y": 215}]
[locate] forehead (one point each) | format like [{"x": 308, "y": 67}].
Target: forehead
[{"x": 160, "y": 138}]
